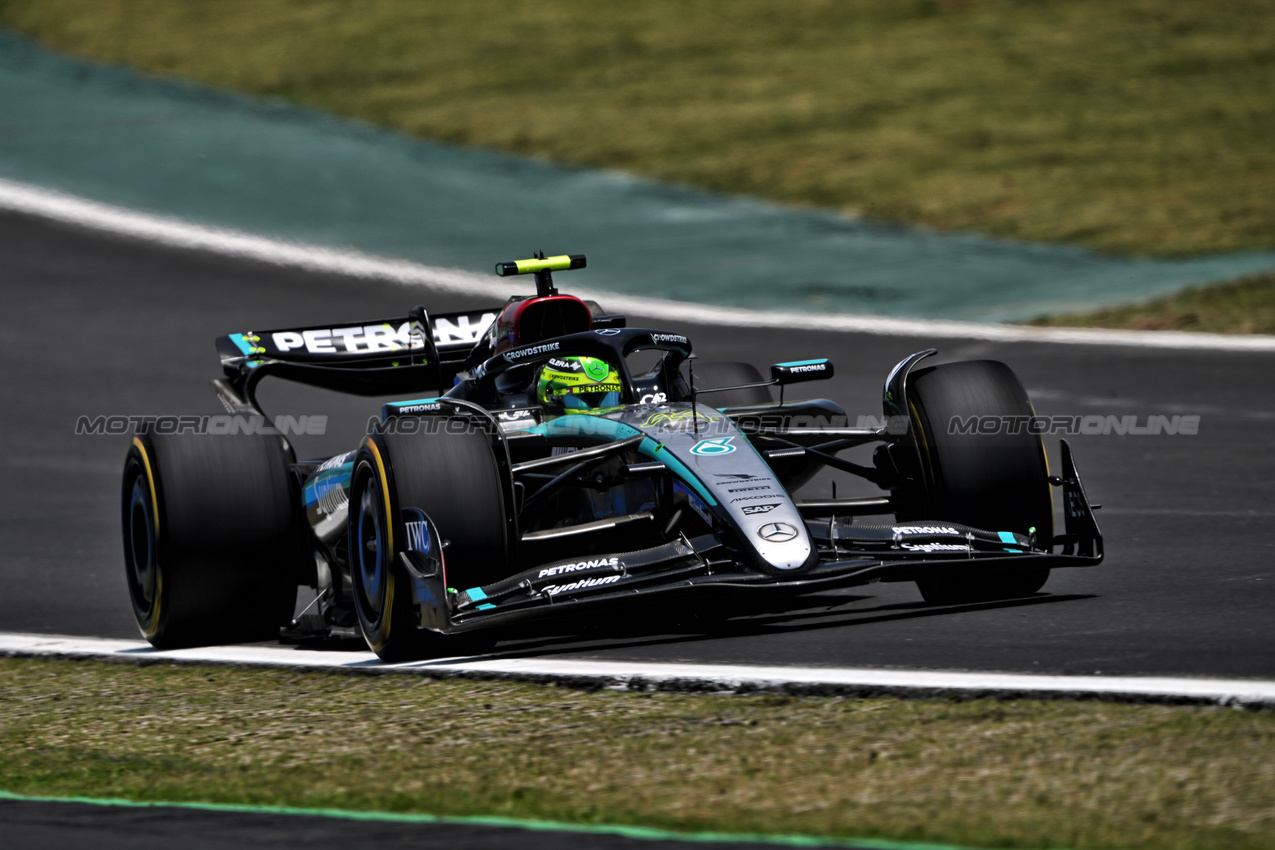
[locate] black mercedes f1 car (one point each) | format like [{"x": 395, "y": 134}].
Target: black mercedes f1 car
[{"x": 548, "y": 459}]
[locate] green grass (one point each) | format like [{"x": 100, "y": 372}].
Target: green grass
[
  {"x": 1245, "y": 306},
  {"x": 1142, "y": 126},
  {"x": 1002, "y": 774}
]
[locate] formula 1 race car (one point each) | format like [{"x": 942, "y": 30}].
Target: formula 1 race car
[{"x": 563, "y": 462}]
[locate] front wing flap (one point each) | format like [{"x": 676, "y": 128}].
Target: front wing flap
[
  {"x": 685, "y": 567},
  {"x": 849, "y": 555}
]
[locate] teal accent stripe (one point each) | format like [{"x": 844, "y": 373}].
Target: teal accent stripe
[
  {"x": 325, "y": 481},
  {"x": 581, "y": 425},
  {"x": 1008, "y": 537},
  {"x": 242, "y": 344},
  {"x": 804, "y": 362},
  {"x": 485, "y": 606},
  {"x": 476, "y": 594},
  {"x": 624, "y": 830},
  {"x": 656, "y": 451},
  {"x": 609, "y": 429}
]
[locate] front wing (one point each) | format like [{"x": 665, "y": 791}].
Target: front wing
[{"x": 705, "y": 566}]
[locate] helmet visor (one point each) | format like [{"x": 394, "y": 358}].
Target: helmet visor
[{"x": 578, "y": 384}]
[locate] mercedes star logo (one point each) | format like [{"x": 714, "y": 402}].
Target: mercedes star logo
[{"x": 776, "y": 532}]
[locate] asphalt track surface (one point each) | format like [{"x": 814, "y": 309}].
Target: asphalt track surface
[
  {"x": 94, "y": 325},
  {"x": 42, "y": 825},
  {"x": 100, "y": 325}
]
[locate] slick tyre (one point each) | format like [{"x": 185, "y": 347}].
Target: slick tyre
[
  {"x": 213, "y": 543},
  {"x": 994, "y": 481},
  {"x": 730, "y": 374},
  {"x": 451, "y": 475}
]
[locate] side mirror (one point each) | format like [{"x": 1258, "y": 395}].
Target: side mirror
[{"x": 801, "y": 371}]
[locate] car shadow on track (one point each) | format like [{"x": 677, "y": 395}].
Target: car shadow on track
[{"x": 629, "y": 633}]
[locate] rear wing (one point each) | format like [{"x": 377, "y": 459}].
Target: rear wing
[
  {"x": 379, "y": 357},
  {"x": 350, "y": 344},
  {"x": 375, "y": 358}
]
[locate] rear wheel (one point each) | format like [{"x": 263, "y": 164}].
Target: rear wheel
[
  {"x": 213, "y": 543},
  {"x": 452, "y": 477},
  {"x": 994, "y": 481},
  {"x": 730, "y": 374}
]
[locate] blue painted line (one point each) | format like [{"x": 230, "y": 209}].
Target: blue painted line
[{"x": 326, "y": 481}]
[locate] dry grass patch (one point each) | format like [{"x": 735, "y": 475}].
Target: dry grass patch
[
  {"x": 1243, "y": 307},
  {"x": 1018, "y": 774}
]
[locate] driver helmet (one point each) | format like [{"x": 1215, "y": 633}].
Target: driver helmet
[{"x": 578, "y": 385}]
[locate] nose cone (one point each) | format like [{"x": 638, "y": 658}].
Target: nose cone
[
  {"x": 706, "y": 449},
  {"x": 782, "y": 545}
]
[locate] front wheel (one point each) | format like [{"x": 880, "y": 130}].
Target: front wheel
[
  {"x": 989, "y": 476},
  {"x": 451, "y": 477}
]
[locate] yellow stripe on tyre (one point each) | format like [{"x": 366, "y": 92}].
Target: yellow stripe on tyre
[
  {"x": 387, "y": 607},
  {"x": 152, "y": 626}
]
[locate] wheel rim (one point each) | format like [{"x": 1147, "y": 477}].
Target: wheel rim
[
  {"x": 370, "y": 559},
  {"x": 141, "y": 548}
]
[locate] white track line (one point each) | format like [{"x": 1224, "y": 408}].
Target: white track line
[
  {"x": 633, "y": 675},
  {"x": 69, "y": 209}
]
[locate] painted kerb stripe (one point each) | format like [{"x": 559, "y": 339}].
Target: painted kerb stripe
[
  {"x": 69, "y": 209},
  {"x": 631, "y": 675}
]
